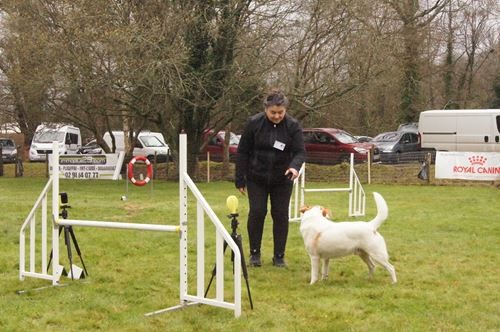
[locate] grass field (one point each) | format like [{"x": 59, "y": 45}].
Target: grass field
[{"x": 444, "y": 242}]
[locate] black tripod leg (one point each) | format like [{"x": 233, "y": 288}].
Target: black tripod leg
[
  {"x": 214, "y": 271},
  {"x": 237, "y": 239},
  {"x": 77, "y": 248},
  {"x": 68, "y": 246},
  {"x": 52, "y": 251}
]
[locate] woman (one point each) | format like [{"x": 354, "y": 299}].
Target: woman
[{"x": 270, "y": 154}]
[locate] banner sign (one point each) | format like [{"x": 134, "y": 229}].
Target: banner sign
[
  {"x": 89, "y": 166},
  {"x": 483, "y": 166}
]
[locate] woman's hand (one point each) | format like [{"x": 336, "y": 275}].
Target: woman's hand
[{"x": 292, "y": 173}]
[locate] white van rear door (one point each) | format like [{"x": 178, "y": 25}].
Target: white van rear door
[{"x": 474, "y": 132}]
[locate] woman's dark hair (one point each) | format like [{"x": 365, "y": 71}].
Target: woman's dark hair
[{"x": 276, "y": 98}]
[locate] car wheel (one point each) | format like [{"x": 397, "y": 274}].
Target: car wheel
[
  {"x": 345, "y": 159},
  {"x": 398, "y": 157}
]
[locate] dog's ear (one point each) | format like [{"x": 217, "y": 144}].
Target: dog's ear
[
  {"x": 304, "y": 208},
  {"x": 326, "y": 212}
]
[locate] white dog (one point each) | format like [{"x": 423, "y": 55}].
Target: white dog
[{"x": 325, "y": 239}]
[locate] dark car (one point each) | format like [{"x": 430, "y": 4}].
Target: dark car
[
  {"x": 90, "y": 148},
  {"x": 215, "y": 145},
  {"x": 333, "y": 146},
  {"x": 9, "y": 150},
  {"x": 395, "y": 146}
]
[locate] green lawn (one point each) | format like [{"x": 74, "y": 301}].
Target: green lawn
[{"x": 444, "y": 242}]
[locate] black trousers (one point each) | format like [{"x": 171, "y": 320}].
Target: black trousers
[{"x": 280, "y": 199}]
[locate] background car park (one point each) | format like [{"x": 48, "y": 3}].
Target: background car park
[
  {"x": 333, "y": 146},
  {"x": 396, "y": 146},
  {"x": 9, "y": 150}
]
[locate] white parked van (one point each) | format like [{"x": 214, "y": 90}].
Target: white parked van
[
  {"x": 147, "y": 144},
  {"x": 461, "y": 130},
  {"x": 69, "y": 138}
]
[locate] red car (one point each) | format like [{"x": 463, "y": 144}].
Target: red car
[
  {"x": 215, "y": 146},
  {"x": 333, "y": 146}
]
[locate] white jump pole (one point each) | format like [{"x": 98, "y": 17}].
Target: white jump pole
[
  {"x": 118, "y": 225},
  {"x": 55, "y": 212},
  {"x": 183, "y": 218}
]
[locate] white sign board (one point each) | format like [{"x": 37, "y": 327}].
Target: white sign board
[
  {"x": 483, "y": 166},
  {"x": 89, "y": 166}
]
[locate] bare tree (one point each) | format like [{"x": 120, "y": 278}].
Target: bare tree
[
  {"x": 413, "y": 19},
  {"x": 474, "y": 41},
  {"x": 26, "y": 74}
]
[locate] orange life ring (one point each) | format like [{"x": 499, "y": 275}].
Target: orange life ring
[{"x": 131, "y": 171}]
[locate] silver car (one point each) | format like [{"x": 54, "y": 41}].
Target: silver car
[
  {"x": 395, "y": 146},
  {"x": 9, "y": 150}
]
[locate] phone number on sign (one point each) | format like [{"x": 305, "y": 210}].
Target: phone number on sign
[{"x": 81, "y": 175}]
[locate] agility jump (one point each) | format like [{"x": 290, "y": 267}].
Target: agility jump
[
  {"x": 203, "y": 208},
  {"x": 357, "y": 196}
]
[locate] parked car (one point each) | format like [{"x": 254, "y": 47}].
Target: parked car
[
  {"x": 392, "y": 146},
  {"x": 147, "y": 144},
  {"x": 90, "y": 148},
  {"x": 68, "y": 136},
  {"x": 333, "y": 146},
  {"x": 9, "y": 150},
  {"x": 476, "y": 130},
  {"x": 409, "y": 126},
  {"x": 364, "y": 139},
  {"x": 215, "y": 145}
]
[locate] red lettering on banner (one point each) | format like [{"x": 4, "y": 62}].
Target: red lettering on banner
[
  {"x": 464, "y": 169},
  {"x": 488, "y": 170}
]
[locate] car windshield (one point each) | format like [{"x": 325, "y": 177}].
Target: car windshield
[
  {"x": 7, "y": 143},
  {"x": 151, "y": 141},
  {"x": 233, "y": 140},
  {"x": 412, "y": 126},
  {"x": 48, "y": 136},
  {"x": 387, "y": 137},
  {"x": 346, "y": 138},
  {"x": 92, "y": 144}
]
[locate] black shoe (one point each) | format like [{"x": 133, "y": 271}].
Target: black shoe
[
  {"x": 255, "y": 260},
  {"x": 279, "y": 261}
]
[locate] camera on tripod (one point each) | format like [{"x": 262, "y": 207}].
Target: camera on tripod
[
  {"x": 232, "y": 205},
  {"x": 63, "y": 204},
  {"x": 69, "y": 236}
]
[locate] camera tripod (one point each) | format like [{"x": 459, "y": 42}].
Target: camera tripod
[
  {"x": 69, "y": 235},
  {"x": 237, "y": 239}
]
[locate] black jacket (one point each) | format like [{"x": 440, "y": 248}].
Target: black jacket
[{"x": 266, "y": 150}]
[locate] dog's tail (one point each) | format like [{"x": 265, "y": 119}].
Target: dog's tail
[{"x": 382, "y": 211}]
